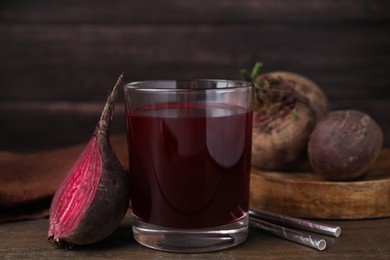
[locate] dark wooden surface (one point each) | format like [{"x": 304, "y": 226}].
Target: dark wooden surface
[
  {"x": 364, "y": 239},
  {"x": 59, "y": 58}
]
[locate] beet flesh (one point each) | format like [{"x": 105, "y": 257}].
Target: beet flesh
[
  {"x": 344, "y": 145},
  {"x": 92, "y": 200}
]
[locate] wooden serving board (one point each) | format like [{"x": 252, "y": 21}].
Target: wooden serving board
[{"x": 304, "y": 194}]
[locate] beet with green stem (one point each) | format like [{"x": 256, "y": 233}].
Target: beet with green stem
[
  {"x": 286, "y": 108},
  {"x": 92, "y": 200}
]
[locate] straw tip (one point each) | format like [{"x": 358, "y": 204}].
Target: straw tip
[
  {"x": 321, "y": 245},
  {"x": 337, "y": 232}
]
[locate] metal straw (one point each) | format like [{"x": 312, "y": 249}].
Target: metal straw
[
  {"x": 307, "y": 225},
  {"x": 289, "y": 234}
]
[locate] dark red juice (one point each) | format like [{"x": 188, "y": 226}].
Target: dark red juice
[{"x": 190, "y": 164}]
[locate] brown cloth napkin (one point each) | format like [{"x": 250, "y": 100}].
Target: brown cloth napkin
[{"x": 28, "y": 182}]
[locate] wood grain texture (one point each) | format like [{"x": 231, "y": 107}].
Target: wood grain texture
[
  {"x": 304, "y": 194},
  {"x": 200, "y": 11},
  {"x": 366, "y": 239},
  {"x": 67, "y": 62}
]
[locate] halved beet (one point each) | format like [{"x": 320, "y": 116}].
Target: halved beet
[{"x": 94, "y": 197}]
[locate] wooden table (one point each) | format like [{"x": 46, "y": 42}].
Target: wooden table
[{"x": 364, "y": 239}]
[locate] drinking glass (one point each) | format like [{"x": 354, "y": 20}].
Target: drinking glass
[{"x": 190, "y": 158}]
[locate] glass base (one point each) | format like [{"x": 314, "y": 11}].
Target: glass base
[{"x": 190, "y": 240}]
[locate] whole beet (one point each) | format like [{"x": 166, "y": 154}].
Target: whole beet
[
  {"x": 94, "y": 197},
  {"x": 280, "y": 138},
  {"x": 344, "y": 145}
]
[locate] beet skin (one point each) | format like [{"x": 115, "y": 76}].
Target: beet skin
[
  {"x": 94, "y": 197},
  {"x": 344, "y": 145}
]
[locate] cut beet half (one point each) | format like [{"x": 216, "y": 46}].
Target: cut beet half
[{"x": 94, "y": 197}]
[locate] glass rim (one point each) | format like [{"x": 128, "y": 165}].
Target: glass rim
[{"x": 153, "y": 85}]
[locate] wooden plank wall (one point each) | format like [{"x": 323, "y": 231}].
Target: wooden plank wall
[{"x": 59, "y": 58}]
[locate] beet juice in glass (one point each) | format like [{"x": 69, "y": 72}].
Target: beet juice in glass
[{"x": 190, "y": 158}]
